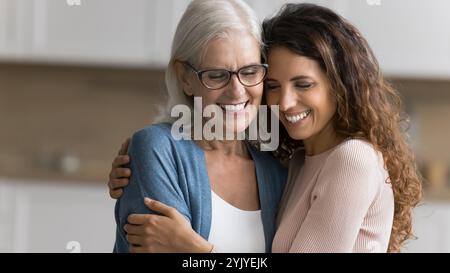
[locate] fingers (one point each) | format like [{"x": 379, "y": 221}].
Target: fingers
[
  {"x": 115, "y": 194},
  {"x": 115, "y": 183},
  {"x": 124, "y": 148},
  {"x": 118, "y": 177},
  {"x": 138, "y": 219},
  {"x": 120, "y": 160},
  {"x": 136, "y": 249},
  {"x": 120, "y": 173},
  {"x": 135, "y": 229},
  {"x": 134, "y": 239},
  {"x": 160, "y": 207},
  {"x": 116, "y": 187}
]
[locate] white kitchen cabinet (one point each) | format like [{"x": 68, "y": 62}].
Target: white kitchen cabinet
[
  {"x": 98, "y": 31},
  {"x": 411, "y": 38},
  {"x": 6, "y": 217},
  {"x": 4, "y": 29},
  {"x": 13, "y": 28},
  {"x": 165, "y": 15},
  {"x": 266, "y": 9},
  {"x": 37, "y": 216},
  {"x": 112, "y": 32}
]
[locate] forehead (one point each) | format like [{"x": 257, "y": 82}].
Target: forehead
[
  {"x": 284, "y": 62},
  {"x": 232, "y": 50}
]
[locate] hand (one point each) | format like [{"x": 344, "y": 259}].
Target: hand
[
  {"x": 120, "y": 173},
  {"x": 168, "y": 232}
]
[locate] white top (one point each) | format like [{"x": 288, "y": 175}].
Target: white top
[{"x": 235, "y": 230}]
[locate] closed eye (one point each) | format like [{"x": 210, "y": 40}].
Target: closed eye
[
  {"x": 304, "y": 86},
  {"x": 248, "y": 73},
  {"x": 270, "y": 85}
]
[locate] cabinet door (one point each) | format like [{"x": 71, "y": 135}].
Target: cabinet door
[
  {"x": 6, "y": 217},
  {"x": 55, "y": 217},
  {"x": 68, "y": 218},
  {"x": 100, "y": 31},
  {"x": 4, "y": 28},
  {"x": 14, "y": 28},
  {"x": 409, "y": 37},
  {"x": 267, "y": 9},
  {"x": 164, "y": 17},
  {"x": 264, "y": 9}
]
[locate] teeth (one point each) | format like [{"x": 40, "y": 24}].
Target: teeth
[
  {"x": 233, "y": 107},
  {"x": 296, "y": 118}
]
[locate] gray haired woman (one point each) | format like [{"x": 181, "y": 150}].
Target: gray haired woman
[{"x": 226, "y": 190}]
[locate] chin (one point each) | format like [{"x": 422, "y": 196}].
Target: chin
[
  {"x": 296, "y": 134},
  {"x": 237, "y": 125}
]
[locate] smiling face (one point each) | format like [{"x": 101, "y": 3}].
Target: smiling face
[
  {"x": 237, "y": 102},
  {"x": 302, "y": 90}
]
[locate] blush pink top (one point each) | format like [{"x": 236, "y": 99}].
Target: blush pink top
[{"x": 336, "y": 201}]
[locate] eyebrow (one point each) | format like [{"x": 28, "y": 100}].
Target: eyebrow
[
  {"x": 208, "y": 67},
  {"x": 296, "y": 78}
]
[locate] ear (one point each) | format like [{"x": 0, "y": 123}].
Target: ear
[{"x": 183, "y": 78}]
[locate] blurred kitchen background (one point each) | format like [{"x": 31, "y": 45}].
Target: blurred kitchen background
[{"x": 79, "y": 76}]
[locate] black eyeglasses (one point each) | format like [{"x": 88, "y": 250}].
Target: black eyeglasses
[{"x": 249, "y": 75}]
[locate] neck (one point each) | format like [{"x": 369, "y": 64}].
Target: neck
[
  {"x": 226, "y": 147},
  {"x": 322, "y": 141}
]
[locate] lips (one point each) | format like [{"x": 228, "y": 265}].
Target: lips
[
  {"x": 233, "y": 107},
  {"x": 294, "y": 118}
]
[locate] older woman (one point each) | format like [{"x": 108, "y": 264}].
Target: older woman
[{"x": 227, "y": 190}]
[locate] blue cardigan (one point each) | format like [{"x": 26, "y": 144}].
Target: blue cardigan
[{"x": 174, "y": 172}]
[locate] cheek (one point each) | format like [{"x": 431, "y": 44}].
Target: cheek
[
  {"x": 333, "y": 107},
  {"x": 271, "y": 98},
  {"x": 208, "y": 98},
  {"x": 331, "y": 104},
  {"x": 256, "y": 93},
  {"x": 326, "y": 106}
]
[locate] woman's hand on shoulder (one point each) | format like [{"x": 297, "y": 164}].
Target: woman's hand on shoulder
[
  {"x": 168, "y": 232},
  {"x": 120, "y": 172}
]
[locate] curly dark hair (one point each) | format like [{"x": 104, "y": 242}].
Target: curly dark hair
[{"x": 368, "y": 107}]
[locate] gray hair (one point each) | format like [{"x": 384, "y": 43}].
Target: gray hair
[{"x": 203, "y": 21}]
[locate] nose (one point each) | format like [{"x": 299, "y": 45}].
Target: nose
[
  {"x": 287, "y": 99},
  {"x": 235, "y": 87}
]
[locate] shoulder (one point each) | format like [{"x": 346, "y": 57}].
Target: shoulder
[
  {"x": 355, "y": 162},
  {"x": 156, "y": 133},
  {"x": 154, "y": 140},
  {"x": 268, "y": 161},
  {"x": 354, "y": 169},
  {"x": 157, "y": 137},
  {"x": 356, "y": 153},
  {"x": 270, "y": 167}
]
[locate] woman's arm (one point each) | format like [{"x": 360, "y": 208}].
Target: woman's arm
[
  {"x": 154, "y": 176},
  {"x": 167, "y": 232}
]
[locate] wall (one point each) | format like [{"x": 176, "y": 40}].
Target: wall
[{"x": 47, "y": 112}]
